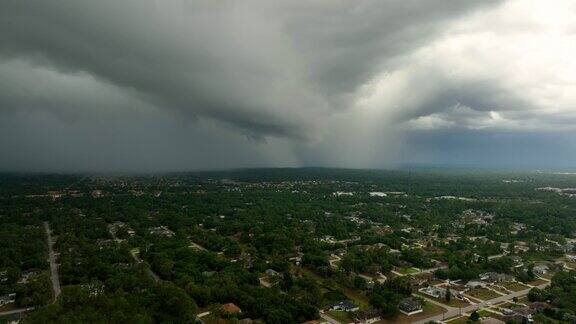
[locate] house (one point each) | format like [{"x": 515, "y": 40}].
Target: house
[
  {"x": 526, "y": 313},
  {"x": 541, "y": 269},
  {"x": 434, "y": 291},
  {"x": 516, "y": 227},
  {"x": 383, "y": 230},
  {"x": 3, "y": 276},
  {"x": 381, "y": 278},
  {"x": 26, "y": 275},
  {"x": 55, "y": 194},
  {"x": 493, "y": 277},
  {"x": 230, "y": 308},
  {"x": 516, "y": 259},
  {"x": 368, "y": 316},
  {"x": 345, "y": 305},
  {"x": 7, "y": 299},
  {"x": 421, "y": 279},
  {"x": 410, "y": 306},
  {"x": 378, "y": 194},
  {"x": 266, "y": 283},
  {"x": 475, "y": 284},
  {"x": 507, "y": 311},
  {"x": 208, "y": 274},
  {"x": 93, "y": 289},
  {"x": 369, "y": 280},
  {"x": 270, "y": 279},
  {"x": 539, "y": 306},
  {"x": 569, "y": 247},
  {"x": 521, "y": 248},
  {"x": 272, "y": 273},
  {"x": 296, "y": 259},
  {"x": 162, "y": 231}
]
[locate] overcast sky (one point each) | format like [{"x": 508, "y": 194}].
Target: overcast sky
[{"x": 166, "y": 85}]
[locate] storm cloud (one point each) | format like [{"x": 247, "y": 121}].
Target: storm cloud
[{"x": 178, "y": 85}]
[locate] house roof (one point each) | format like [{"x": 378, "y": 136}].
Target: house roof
[
  {"x": 346, "y": 304},
  {"x": 410, "y": 303},
  {"x": 367, "y": 314},
  {"x": 525, "y": 311},
  {"x": 231, "y": 308}
]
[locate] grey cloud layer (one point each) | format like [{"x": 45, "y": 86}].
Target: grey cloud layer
[
  {"x": 267, "y": 67},
  {"x": 184, "y": 84}
]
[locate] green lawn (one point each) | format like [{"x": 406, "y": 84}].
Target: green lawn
[
  {"x": 484, "y": 313},
  {"x": 458, "y": 320},
  {"x": 515, "y": 286},
  {"x": 482, "y": 293},
  {"x": 340, "y": 316},
  {"x": 358, "y": 298},
  {"x": 571, "y": 264},
  {"x": 499, "y": 289},
  {"x": 538, "y": 282},
  {"x": 408, "y": 270},
  {"x": 523, "y": 299}
]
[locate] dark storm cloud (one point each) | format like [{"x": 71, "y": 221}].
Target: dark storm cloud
[
  {"x": 267, "y": 67},
  {"x": 176, "y": 84},
  {"x": 461, "y": 101}
]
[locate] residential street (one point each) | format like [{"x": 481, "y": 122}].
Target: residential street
[
  {"x": 53, "y": 265},
  {"x": 16, "y": 311},
  {"x": 134, "y": 256},
  {"x": 455, "y": 311}
]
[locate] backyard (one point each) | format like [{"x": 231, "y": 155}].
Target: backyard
[{"x": 482, "y": 293}]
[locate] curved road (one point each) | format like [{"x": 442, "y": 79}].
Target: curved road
[{"x": 136, "y": 258}]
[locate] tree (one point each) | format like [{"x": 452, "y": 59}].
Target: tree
[
  {"x": 448, "y": 295},
  {"x": 474, "y": 316},
  {"x": 359, "y": 282}
]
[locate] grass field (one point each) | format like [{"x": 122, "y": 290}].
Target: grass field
[
  {"x": 499, "y": 289},
  {"x": 547, "y": 276},
  {"x": 523, "y": 299},
  {"x": 538, "y": 282},
  {"x": 484, "y": 313},
  {"x": 571, "y": 264},
  {"x": 515, "y": 286},
  {"x": 340, "y": 316},
  {"x": 482, "y": 293},
  {"x": 493, "y": 315},
  {"x": 435, "y": 282},
  {"x": 359, "y": 299},
  {"x": 408, "y": 270}
]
